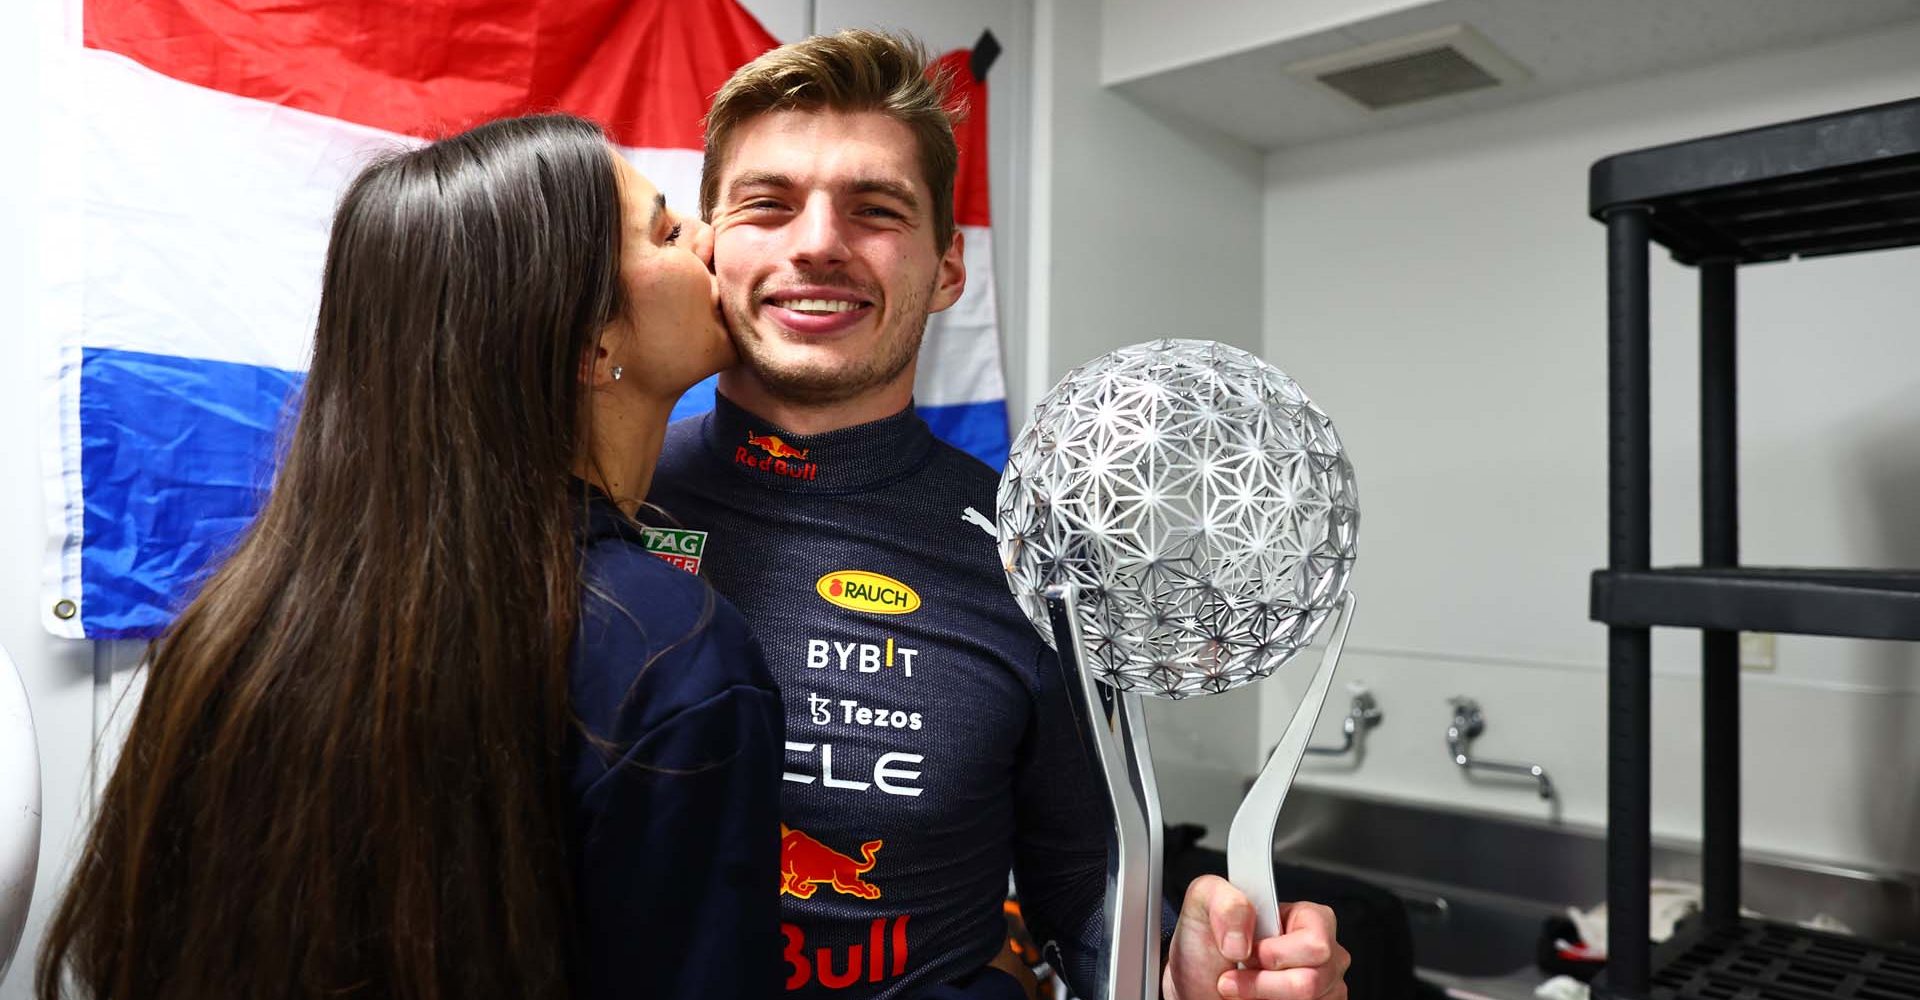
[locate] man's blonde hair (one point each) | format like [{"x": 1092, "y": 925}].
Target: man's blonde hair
[{"x": 851, "y": 71}]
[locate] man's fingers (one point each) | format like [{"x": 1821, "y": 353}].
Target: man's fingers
[
  {"x": 1281, "y": 984},
  {"x": 1307, "y": 938},
  {"x": 1228, "y": 915},
  {"x": 1305, "y": 916},
  {"x": 1296, "y": 950},
  {"x": 1314, "y": 978}
]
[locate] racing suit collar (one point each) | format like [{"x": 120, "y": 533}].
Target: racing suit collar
[{"x": 840, "y": 461}]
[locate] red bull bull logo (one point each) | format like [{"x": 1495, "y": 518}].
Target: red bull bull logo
[
  {"x": 775, "y": 447},
  {"x": 807, "y": 864},
  {"x": 779, "y": 458}
]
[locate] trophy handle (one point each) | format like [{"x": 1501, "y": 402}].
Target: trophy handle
[
  {"x": 1250, "y": 838},
  {"x": 1119, "y": 724}
]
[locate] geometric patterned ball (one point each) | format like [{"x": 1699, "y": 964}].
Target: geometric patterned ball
[{"x": 1198, "y": 502}]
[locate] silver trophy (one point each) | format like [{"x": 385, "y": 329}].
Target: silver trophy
[{"x": 1187, "y": 516}]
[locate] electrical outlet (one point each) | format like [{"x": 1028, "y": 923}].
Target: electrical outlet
[{"x": 1756, "y": 651}]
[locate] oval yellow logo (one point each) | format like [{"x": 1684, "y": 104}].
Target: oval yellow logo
[{"x": 859, "y": 590}]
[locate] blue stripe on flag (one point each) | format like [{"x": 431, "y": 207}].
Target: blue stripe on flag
[
  {"x": 696, "y": 401},
  {"x": 979, "y": 429},
  {"x": 175, "y": 457}
]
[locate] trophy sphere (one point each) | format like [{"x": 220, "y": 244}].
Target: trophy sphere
[{"x": 1200, "y": 505}]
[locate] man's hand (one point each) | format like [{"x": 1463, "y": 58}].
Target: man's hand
[{"x": 1215, "y": 933}]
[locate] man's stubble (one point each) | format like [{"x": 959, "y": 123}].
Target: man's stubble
[{"x": 825, "y": 384}]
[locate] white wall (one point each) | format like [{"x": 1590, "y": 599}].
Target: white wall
[
  {"x": 1143, "y": 228},
  {"x": 1441, "y": 293},
  {"x": 58, "y": 674},
  {"x": 1142, "y": 37},
  {"x": 1154, "y": 226}
]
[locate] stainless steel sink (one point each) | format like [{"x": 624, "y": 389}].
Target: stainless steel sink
[
  {"x": 1467, "y": 933},
  {"x": 1478, "y": 887}
]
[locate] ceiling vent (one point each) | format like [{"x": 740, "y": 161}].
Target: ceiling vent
[{"x": 1439, "y": 63}]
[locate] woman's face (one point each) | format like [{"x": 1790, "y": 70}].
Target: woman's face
[{"x": 673, "y": 335}]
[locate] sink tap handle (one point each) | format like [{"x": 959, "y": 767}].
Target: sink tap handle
[{"x": 1468, "y": 722}]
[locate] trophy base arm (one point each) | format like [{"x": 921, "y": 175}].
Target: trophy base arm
[
  {"x": 1118, "y": 724},
  {"x": 1250, "y": 838}
]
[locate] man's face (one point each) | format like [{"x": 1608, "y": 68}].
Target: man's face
[{"x": 825, "y": 253}]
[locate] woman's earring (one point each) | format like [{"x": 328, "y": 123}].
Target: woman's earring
[{"x": 617, "y": 372}]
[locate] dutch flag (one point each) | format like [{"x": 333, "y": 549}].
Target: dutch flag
[{"x": 204, "y": 143}]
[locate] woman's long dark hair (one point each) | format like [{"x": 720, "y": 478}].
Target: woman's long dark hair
[{"x": 344, "y": 778}]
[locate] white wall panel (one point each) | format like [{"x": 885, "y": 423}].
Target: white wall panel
[{"x": 1441, "y": 292}]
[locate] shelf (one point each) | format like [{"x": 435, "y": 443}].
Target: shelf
[
  {"x": 1835, "y": 184},
  {"x": 1839, "y": 183},
  {"x": 1864, "y": 604},
  {"x": 1761, "y": 960}
]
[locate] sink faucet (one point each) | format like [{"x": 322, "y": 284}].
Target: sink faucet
[
  {"x": 1467, "y": 724},
  {"x": 1362, "y": 714}
]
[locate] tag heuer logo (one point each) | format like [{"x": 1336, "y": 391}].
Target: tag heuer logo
[{"x": 679, "y": 546}]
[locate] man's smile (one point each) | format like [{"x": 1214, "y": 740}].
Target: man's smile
[{"x": 816, "y": 310}]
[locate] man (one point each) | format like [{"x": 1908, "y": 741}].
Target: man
[{"x": 931, "y": 742}]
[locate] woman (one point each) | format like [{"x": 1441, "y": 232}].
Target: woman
[{"x": 440, "y": 727}]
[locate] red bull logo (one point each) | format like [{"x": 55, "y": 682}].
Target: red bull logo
[
  {"x": 779, "y": 458},
  {"x": 882, "y": 956},
  {"x": 807, "y": 864}
]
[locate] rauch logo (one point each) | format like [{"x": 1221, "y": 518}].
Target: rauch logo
[{"x": 859, "y": 590}]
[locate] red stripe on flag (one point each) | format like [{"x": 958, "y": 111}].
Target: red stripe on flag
[
  {"x": 970, "y": 203},
  {"x": 645, "y": 68}
]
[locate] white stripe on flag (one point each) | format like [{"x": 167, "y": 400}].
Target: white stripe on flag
[
  {"x": 675, "y": 172},
  {"x": 206, "y": 215},
  {"x": 960, "y": 358}
]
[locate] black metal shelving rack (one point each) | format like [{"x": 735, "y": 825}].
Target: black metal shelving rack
[{"x": 1837, "y": 184}]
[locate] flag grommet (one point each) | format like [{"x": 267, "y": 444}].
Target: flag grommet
[{"x": 64, "y": 609}]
